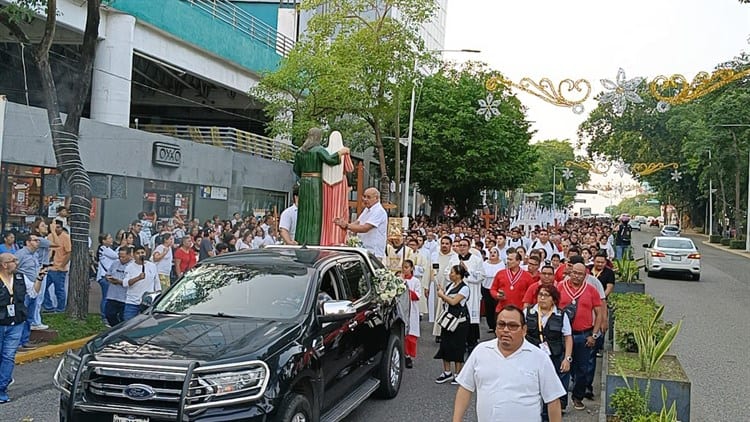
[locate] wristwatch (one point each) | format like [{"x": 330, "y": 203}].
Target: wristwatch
[
  {"x": 596, "y": 335},
  {"x": 569, "y": 359}
]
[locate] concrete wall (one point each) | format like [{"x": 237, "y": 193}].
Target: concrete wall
[{"x": 259, "y": 173}]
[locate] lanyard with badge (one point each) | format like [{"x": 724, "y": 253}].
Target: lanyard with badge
[
  {"x": 542, "y": 344},
  {"x": 10, "y": 309}
]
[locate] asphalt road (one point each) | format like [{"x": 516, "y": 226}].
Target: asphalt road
[
  {"x": 714, "y": 311},
  {"x": 712, "y": 340}
]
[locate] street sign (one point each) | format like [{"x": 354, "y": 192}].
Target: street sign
[
  {"x": 587, "y": 191},
  {"x": 579, "y": 201},
  {"x": 652, "y": 201}
]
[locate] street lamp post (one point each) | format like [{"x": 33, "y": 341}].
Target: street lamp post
[
  {"x": 710, "y": 199},
  {"x": 412, "y": 105},
  {"x": 554, "y": 185}
]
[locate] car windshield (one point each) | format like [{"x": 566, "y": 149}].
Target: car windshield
[
  {"x": 268, "y": 292},
  {"x": 671, "y": 228},
  {"x": 676, "y": 244}
]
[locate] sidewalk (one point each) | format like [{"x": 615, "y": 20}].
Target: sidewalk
[{"x": 738, "y": 252}]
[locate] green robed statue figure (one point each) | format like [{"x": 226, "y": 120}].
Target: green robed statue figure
[{"x": 308, "y": 165}]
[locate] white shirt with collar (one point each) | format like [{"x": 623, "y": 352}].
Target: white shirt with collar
[
  {"x": 288, "y": 220},
  {"x": 512, "y": 388},
  {"x": 149, "y": 284}
]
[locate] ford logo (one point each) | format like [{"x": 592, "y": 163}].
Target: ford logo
[{"x": 139, "y": 392}]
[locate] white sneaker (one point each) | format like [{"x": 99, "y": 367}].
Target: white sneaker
[{"x": 39, "y": 327}]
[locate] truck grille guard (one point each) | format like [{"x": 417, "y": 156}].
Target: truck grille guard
[{"x": 174, "y": 392}]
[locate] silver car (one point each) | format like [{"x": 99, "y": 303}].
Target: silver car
[
  {"x": 670, "y": 230},
  {"x": 669, "y": 254}
]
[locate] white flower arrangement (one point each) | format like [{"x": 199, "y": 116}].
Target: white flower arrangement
[
  {"x": 386, "y": 285},
  {"x": 354, "y": 241}
]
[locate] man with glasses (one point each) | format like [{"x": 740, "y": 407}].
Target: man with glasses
[
  {"x": 546, "y": 278},
  {"x": 493, "y": 370},
  {"x": 13, "y": 314},
  {"x": 31, "y": 268},
  {"x": 586, "y": 320}
]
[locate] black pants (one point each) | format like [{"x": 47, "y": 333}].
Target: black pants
[
  {"x": 490, "y": 303},
  {"x": 113, "y": 311},
  {"x": 472, "y": 336}
]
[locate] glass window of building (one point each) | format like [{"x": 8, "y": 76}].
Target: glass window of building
[
  {"x": 168, "y": 198},
  {"x": 259, "y": 202}
]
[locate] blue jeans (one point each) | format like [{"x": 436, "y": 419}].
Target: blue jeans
[
  {"x": 31, "y": 307},
  {"x": 130, "y": 311},
  {"x": 104, "y": 284},
  {"x": 36, "y": 316},
  {"x": 57, "y": 280},
  {"x": 10, "y": 336},
  {"x": 592, "y": 363},
  {"x": 580, "y": 367}
]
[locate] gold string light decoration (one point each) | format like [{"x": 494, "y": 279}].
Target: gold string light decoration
[
  {"x": 546, "y": 90},
  {"x": 597, "y": 167},
  {"x": 677, "y": 90},
  {"x": 644, "y": 169}
]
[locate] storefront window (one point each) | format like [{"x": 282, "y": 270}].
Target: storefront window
[
  {"x": 166, "y": 198},
  {"x": 22, "y": 196},
  {"x": 259, "y": 202}
]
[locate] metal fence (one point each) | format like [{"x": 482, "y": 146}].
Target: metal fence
[
  {"x": 246, "y": 23},
  {"x": 229, "y": 138}
]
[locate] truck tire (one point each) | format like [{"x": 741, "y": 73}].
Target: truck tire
[
  {"x": 294, "y": 408},
  {"x": 391, "y": 370}
]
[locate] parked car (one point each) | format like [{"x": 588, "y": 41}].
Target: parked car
[
  {"x": 278, "y": 334},
  {"x": 670, "y": 230},
  {"x": 672, "y": 255},
  {"x": 635, "y": 225}
]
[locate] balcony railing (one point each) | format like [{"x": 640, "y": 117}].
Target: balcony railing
[
  {"x": 246, "y": 23},
  {"x": 229, "y": 138}
]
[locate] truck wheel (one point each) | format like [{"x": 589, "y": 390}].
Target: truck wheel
[
  {"x": 391, "y": 369},
  {"x": 295, "y": 408}
]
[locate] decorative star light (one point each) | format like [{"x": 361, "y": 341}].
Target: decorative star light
[
  {"x": 567, "y": 173},
  {"x": 676, "y": 175},
  {"x": 620, "y": 93},
  {"x": 488, "y": 107},
  {"x": 621, "y": 168}
]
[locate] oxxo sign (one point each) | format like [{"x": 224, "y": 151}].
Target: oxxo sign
[{"x": 166, "y": 154}]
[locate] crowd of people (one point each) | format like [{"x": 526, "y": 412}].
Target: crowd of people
[{"x": 540, "y": 289}]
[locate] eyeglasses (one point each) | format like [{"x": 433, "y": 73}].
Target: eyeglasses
[
  {"x": 10, "y": 260},
  {"x": 547, "y": 273},
  {"x": 544, "y": 294},
  {"x": 511, "y": 326}
]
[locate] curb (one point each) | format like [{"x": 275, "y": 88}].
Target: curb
[
  {"x": 738, "y": 252},
  {"x": 603, "y": 392},
  {"x": 51, "y": 350}
]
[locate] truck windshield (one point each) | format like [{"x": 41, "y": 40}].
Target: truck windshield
[{"x": 272, "y": 292}]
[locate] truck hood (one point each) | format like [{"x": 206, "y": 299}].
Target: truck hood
[{"x": 194, "y": 337}]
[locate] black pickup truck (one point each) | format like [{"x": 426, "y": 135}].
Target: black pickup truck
[{"x": 277, "y": 334}]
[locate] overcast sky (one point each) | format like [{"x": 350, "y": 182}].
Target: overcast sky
[{"x": 591, "y": 39}]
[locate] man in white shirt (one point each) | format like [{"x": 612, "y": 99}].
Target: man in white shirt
[
  {"x": 431, "y": 244},
  {"x": 163, "y": 257},
  {"x": 543, "y": 242},
  {"x": 141, "y": 276},
  {"x": 372, "y": 224},
  {"x": 511, "y": 377},
  {"x": 288, "y": 219}
]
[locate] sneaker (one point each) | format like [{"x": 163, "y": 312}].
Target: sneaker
[
  {"x": 588, "y": 395},
  {"x": 40, "y": 327},
  {"x": 454, "y": 382},
  {"x": 27, "y": 347},
  {"x": 578, "y": 405},
  {"x": 408, "y": 363},
  {"x": 12, "y": 381},
  {"x": 4, "y": 398},
  {"x": 444, "y": 377}
]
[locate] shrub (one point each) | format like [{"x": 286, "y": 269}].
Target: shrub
[
  {"x": 714, "y": 238},
  {"x": 629, "y": 405},
  {"x": 631, "y": 311},
  {"x": 737, "y": 244},
  {"x": 725, "y": 241}
]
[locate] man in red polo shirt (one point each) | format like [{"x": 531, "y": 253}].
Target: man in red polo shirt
[
  {"x": 564, "y": 268},
  {"x": 547, "y": 278},
  {"x": 510, "y": 284},
  {"x": 585, "y": 325}
]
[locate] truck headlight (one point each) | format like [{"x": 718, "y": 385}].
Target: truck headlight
[
  {"x": 235, "y": 381},
  {"x": 66, "y": 372}
]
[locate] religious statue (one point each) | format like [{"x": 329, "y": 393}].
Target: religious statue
[
  {"x": 335, "y": 194},
  {"x": 308, "y": 165}
]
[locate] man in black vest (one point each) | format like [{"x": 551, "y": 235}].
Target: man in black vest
[{"x": 13, "y": 315}]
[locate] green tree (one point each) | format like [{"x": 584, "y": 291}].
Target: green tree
[
  {"x": 553, "y": 154},
  {"x": 456, "y": 152},
  {"x": 16, "y": 17},
  {"x": 352, "y": 62},
  {"x": 637, "y": 205}
]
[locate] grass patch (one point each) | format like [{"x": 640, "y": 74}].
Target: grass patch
[
  {"x": 69, "y": 329},
  {"x": 627, "y": 364}
]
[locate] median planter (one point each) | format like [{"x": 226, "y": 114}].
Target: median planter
[
  {"x": 737, "y": 244},
  {"x": 725, "y": 241},
  {"x": 714, "y": 238},
  {"x": 669, "y": 373}
]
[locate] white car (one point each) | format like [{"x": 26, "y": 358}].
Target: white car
[
  {"x": 635, "y": 225},
  {"x": 670, "y": 230},
  {"x": 669, "y": 254}
]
